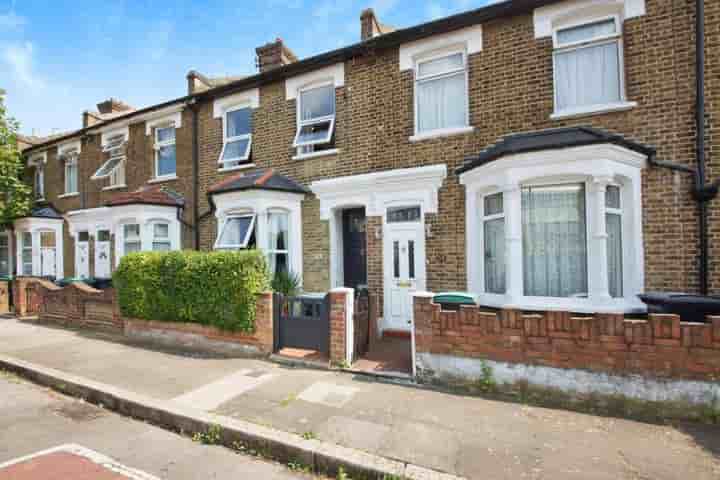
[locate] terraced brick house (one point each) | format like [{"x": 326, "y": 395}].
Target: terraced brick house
[{"x": 539, "y": 154}]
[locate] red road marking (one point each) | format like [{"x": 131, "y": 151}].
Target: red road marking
[{"x": 59, "y": 465}]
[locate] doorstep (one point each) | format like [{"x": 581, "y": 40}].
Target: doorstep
[{"x": 301, "y": 358}]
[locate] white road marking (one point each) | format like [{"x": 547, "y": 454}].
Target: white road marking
[{"x": 210, "y": 396}]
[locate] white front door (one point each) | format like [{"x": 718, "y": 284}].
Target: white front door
[
  {"x": 82, "y": 255},
  {"x": 404, "y": 252},
  {"x": 102, "y": 254}
]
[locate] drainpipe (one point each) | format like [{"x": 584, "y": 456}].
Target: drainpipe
[
  {"x": 195, "y": 172},
  {"x": 702, "y": 192}
]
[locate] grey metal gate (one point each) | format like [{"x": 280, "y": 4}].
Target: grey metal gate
[{"x": 302, "y": 322}]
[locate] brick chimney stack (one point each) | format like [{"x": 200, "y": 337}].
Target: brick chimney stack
[
  {"x": 273, "y": 55},
  {"x": 112, "y": 105},
  {"x": 370, "y": 26}
]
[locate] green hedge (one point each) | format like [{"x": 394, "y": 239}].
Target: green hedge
[{"x": 217, "y": 288}]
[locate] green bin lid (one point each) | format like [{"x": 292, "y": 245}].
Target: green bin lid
[{"x": 456, "y": 298}]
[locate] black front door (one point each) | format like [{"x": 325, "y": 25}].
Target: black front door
[{"x": 354, "y": 247}]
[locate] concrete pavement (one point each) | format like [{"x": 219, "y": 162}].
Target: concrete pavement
[
  {"x": 34, "y": 419},
  {"x": 471, "y": 437}
]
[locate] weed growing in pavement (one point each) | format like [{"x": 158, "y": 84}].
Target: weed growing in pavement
[
  {"x": 288, "y": 400},
  {"x": 211, "y": 437},
  {"x": 308, "y": 436},
  {"x": 299, "y": 467},
  {"x": 486, "y": 382}
]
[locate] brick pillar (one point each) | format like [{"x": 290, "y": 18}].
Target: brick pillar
[
  {"x": 264, "y": 321},
  {"x": 339, "y": 317},
  {"x": 4, "y": 296},
  {"x": 24, "y": 304},
  {"x": 423, "y": 311}
]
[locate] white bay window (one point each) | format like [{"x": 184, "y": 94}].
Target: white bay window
[
  {"x": 557, "y": 230},
  {"x": 278, "y": 250}
]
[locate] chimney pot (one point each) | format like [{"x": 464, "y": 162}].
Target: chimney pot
[{"x": 370, "y": 26}]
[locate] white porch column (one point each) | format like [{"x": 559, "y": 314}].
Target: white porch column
[
  {"x": 598, "y": 288},
  {"x": 18, "y": 253},
  {"x": 512, "y": 201}
]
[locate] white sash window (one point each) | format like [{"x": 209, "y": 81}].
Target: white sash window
[
  {"x": 588, "y": 66},
  {"x": 316, "y": 118},
  {"x": 441, "y": 93},
  {"x": 237, "y": 137}
]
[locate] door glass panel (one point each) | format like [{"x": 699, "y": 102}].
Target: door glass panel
[
  {"x": 396, "y": 259},
  {"x": 411, "y": 258},
  {"x": 83, "y": 237},
  {"x": 103, "y": 235}
]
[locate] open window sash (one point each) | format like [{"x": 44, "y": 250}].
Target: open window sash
[
  {"x": 317, "y": 131},
  {"x": 236, "y": 232},
  {"x": 236, "y": 149},
  {"x": 108, "y": 168}
]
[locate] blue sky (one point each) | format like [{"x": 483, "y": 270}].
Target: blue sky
[{"x": 60, "y": 58}]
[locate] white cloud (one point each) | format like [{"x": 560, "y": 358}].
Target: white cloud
[
  {"x": 10, "y": 21},
  {"x": 19, "y": 57}
]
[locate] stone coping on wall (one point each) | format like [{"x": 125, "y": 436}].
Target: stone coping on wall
[{"x": 660, "y": 346}]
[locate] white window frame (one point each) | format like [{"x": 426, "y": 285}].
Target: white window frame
[
  {"x": 308, "y": 145},
  {"x": 596, "y": 166},
  {"x": 417, "y": 79},
  {"x": 622, "y": 103},
  {"x": 124, "y": 240},
  {"x": 22, "y": 249},
  {"x": 70, "y": 159},
  {"x": 39, "y": 182},
  {"x": 248, "y": 234},
  {"x": 273, "y": 251},
  {"x": 157, "y": 144},
  {"x": 6, "y": 235},
  {"x": 165, "y": 240},
  {"x": 114, "y": 145},
  {"x": 236, "y": 163},
  {"x": 484, "y": 218},
  {"x": 619, "y": 213}
]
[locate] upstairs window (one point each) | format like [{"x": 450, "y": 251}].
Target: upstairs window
[
  {"x": 588, "y": 65},
  {"x": 316, "y": 119},
  {"x": 114, "y": 166},
  {"x": 441, "y": 96},
  {"x": 237, "y": 137},
  {"x": 70, "y": 159},
  {"x": 39, "y": 182},
  {"x": 165, "y": 160},
  {"x": 237, "y": 232}
]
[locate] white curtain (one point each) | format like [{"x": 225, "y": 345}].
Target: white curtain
[
  {"x": 588, "y": 76},
  {"x": 614, "y": 254},
  {"x": 495, "y": 255},
  {"x": 441, "y": 103},
  {"x": 554, "y": 241}
]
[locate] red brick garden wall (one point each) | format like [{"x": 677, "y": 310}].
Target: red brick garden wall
[{"x": 661, "y": 346}]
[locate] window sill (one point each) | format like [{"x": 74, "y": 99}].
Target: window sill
[
  {"x": 237, "y": 167},
  {"x": 593, "y": 110},
  {"x": 321, "y": 153},
  {"x": 579, "y": 305},
  {"x": 114, "y": 187},
  {"x": 440, "y": 133},
  {"x": 69, "y": 195},
  {"x": 162, "y": 179}
]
